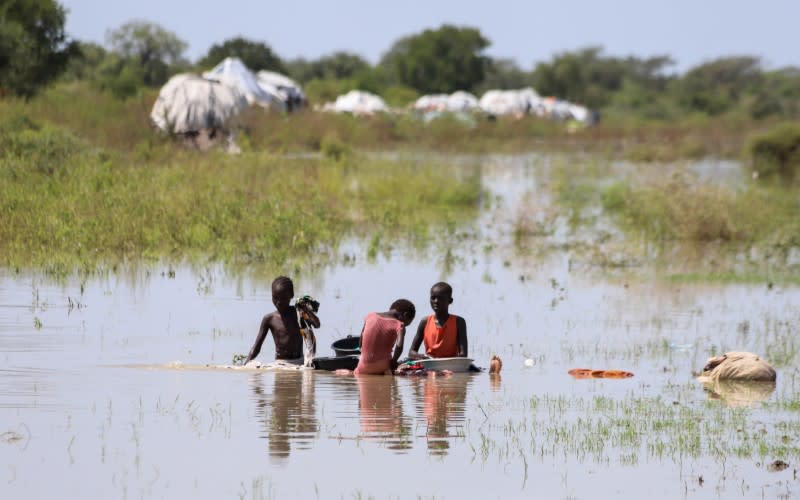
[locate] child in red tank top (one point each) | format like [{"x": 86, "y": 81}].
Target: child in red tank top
[
  {"x": 444, "y": 334},
  {"x": 382, "y": 338}
]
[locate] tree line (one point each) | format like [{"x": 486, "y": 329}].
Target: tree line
[{"x": 35, "y": 51}]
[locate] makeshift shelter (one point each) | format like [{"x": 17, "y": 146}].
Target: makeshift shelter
[
  {"x": 189, "y": 104},
  {"x": 282, "y": 87},
  {"x": 431, "y": 103},
  {"x": 357, "y": 102},
  {"x": 510, "y": 102},
  {"x": 232, "y": 71},
  {"x": 459, "y": 101}
]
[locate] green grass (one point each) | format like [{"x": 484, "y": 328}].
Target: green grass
[{"x": 67, "y": 204}]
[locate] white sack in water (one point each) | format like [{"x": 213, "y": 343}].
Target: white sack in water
[{"x": 739, "y": 366}]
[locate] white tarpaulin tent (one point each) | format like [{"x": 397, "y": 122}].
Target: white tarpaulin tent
[
  {"x": 431, "y": 102},
  {"x": 461, "y": 101},
  {"x": 357, "y": 102},
  {"x": 188, "y": 103},
  {"x": 283, "y": 87},
  {"x": 456, "y": 102},
  {"x": 234, "y": 73},
  {"x": 510, "y": 102}
]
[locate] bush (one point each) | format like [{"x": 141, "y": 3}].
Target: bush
[
  {"x": 777, "y": 152},
  {"x": 333, "y": 148},
  {"x": 43, "y": 149}
]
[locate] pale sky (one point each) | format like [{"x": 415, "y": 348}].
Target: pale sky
[{"x": 691, "y": 31}]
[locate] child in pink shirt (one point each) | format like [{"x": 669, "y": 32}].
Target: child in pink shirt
[{"x": 382, "y": 338}]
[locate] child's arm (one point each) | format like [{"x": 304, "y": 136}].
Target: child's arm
[
  {"x": 417, "y": 342},
  {"x": 461, "y": 329},
  {"x": 398, "y": 346},
  {"x": 262, "y": 334}
]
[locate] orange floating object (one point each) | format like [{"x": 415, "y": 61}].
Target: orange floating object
[
  {"x": 584, "y": 373},
  {"x": 581, "y": 373}
]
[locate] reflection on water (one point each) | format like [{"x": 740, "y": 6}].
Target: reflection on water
[
  {"x": 381, "y": 411},
  {"x": 288, "y": 411},
  {"x": 739, "y": 393},
  {"x": 440, "y": 400}
]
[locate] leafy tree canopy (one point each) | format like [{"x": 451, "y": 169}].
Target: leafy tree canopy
[
  {"x": 438, "y": 61},
  {"x": 715, "y": 86},
  {"x": 150, "y": 47},
  {"x": 587, "y": 76},
  {"x": 254, "y": 55},
  {"x": 33, "y": 46}
]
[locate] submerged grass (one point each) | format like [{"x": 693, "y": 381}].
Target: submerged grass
[
  {"x": 624, "y": 431},
  {"x": 692, "y": 229}
]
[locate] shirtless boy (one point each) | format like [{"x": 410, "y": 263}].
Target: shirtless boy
[{"x": 283, "y": 324}]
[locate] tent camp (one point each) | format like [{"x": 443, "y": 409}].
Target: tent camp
[
  {"x": 189, "y": 104},
  {"x": 232, "y": 71},
  {"x": 283, "y": 87},
  {"x": 357, "y": 102}
]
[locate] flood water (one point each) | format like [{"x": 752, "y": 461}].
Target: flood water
[{"x": 104, "y": 390}]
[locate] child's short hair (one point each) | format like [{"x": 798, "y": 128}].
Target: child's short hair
[
  {"x": 283, "y": 282},
  {"x": 445, "y": 286},
  {"x": 404, "y": 306}
]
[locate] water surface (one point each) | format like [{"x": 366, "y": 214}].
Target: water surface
[{"x": 96, "y": 400}]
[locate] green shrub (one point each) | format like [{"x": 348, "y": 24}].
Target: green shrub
[
  {"x": 777, "y": 152},
  {"x": 334, "y": 148},
  {"x": 43, "y": 149}
]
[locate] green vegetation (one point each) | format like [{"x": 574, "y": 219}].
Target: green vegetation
[
  {"x": 681, "y": 208},
  {"x": 33, "y": 48},
  {"x": 604, "y": 430},
  {"x": 254, "y": 55},
  {"x": 67, "y": 204},
  {"x": 777, "y": 152},
  {"x": 438, "y": 61}
]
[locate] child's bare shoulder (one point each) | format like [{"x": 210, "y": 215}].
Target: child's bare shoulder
[{"x": 269, "y": 317}]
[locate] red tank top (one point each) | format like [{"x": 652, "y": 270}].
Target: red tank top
[
  {"x": 377, "y": 343},
  {"x": 441, "y": 341}
]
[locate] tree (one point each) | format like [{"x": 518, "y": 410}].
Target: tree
[
  {"x": 714, "y": 87},
  {"x": 588, "y": 77},
  {"x": 33, "y": 46},
  {"x": 149, "y": 47},
  {"x": 85, "y": 62},
  {"x": 337, "y": 66},
  {"x": 504, "y": 74},
  {"x": 438, "y": 61},
  {"x": 254, "y": 55}
]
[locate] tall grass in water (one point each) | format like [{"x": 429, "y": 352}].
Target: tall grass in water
[
  {"x": 64, "y": 203},
  {"x": 681, "y": 208}
]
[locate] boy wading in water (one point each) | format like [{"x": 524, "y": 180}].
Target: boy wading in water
[
  {"x": 382, "y": 338},
  {"x": 444, "y": 334},
  {"x": 283, "y": 324}
]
